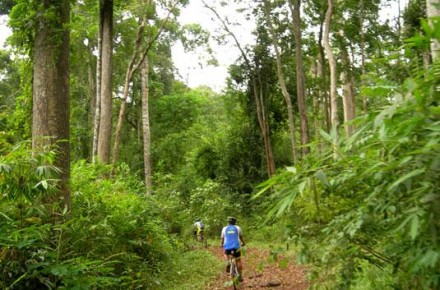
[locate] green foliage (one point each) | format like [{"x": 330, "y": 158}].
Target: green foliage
[
  {"x": 211, "y": 202},
  {"x": 5, "y": 6},
  {"x": 15, "y": 96},
  {"x": 114, "y": 237},
  {"x": 368, "y": 206},
  {"x": 192, "y": 271},
  {"x": 172, "y": 121},
  {"x": 26, "y": 176},
  {"x": 22, "y": 22}
]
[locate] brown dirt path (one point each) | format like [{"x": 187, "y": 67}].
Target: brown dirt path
[{"x": 261, "y": 272}]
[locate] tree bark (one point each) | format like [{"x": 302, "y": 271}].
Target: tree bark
[
  {"x": 363, "y": 68},
  {"x": 146, "y": 128},
  {"x": 105, "y": 124},
  {"x": 131, "y": 69},
  {"x": 332, "y": 64},
  {"x": 50, "y": 88},
  {"x": 91, "y": 81},
  {"x": 97, "y": 105},
  {"x": 282, "y": 81},
  {"x": 263, "y": 123},
  {"x": 348, "y": 92},
  {"x": 433, "y": 10},
  {"x": 322, "y": 73},
  {"x": 300, "y": 76}
]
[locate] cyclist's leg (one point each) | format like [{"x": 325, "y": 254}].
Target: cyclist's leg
[
  {"x": 239, "y": 264},
  {"x": 199, "y": 234},
  {"x": 228, "y": 257}
]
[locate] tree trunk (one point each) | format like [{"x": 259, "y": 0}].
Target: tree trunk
[
  {"x": 348, "y": 92},
  {"x": 97, "y": 105},
  {"x": 300, "y": 77},
  {"x": 50, "y": 90},
  {"x": 282, "y": 81},
  {"x": 91, "y": 80},
  {"x": 363, "y": 69},
  {"x": 332, "y": 64},
  {"x": 322, "y": 73},
  {"x": 258, "y": 97},
  {"x": 433, "y": 10},
  {"x": 146, "y": 128},
  {"x": 316, "y": 106},
  {"x": 131, "y": 69},
  {"x": 105, "y": 124},
  {"x": 135, "y": 63},
  {"x": 263, "y": 123}
]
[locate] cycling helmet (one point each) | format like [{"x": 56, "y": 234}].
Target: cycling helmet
[
  {"x": 197, "y": 219},
  {"x": 232, "y": 220}
]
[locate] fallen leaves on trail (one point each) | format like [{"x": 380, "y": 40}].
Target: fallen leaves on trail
[{"x": 260, "y": 271}]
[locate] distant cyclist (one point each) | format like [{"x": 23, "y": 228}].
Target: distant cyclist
[
  {"x": 198, "y": 230},
  {"x": 231, "y": 241}
]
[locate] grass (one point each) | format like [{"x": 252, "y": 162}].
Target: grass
[{"x": 193, "y": 270}]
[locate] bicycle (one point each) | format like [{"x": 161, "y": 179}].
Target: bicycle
[
  {"x": 199, "y": 237},
  {"x": 233, "y": 271}
]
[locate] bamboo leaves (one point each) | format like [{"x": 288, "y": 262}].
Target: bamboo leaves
[
  {"x": 404, "y": 178},
  {"x": 379, "y": 196}
]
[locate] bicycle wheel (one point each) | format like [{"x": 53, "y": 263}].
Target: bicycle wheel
[{"x": 233, "y": 272}]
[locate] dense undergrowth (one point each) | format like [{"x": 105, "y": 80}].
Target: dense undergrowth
[
  {"x": 114, "y": 237},
  {"x": 364, "y": 213}
]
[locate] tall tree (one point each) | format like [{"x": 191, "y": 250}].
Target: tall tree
[
  {"x": 257, "y": 91},
  {"x": 282, "y": 80},
  {"x": 97, "y": 104},
  {"x": 50, "y": 113},
  {"x": 105, "y": 121},
  {"x": 363, "y": 67},
  {"x": 348, "y": 99},
  {"x": 332, "y": 64},
  {"x": 295, "y": 7},
  {"x": 322, "y": 74},
  {"x": 146, "y": 127},
  {"x": 137, "y": 59}
]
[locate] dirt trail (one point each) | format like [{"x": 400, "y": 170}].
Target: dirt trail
[{"x": 261, "y": 273}]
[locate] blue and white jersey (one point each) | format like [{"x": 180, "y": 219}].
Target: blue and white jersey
[{"x": 231, "y": 235}]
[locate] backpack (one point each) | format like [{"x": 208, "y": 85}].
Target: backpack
[{"x": 201, "y": 225}]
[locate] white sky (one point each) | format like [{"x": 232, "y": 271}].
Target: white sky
[
  {"x": 188, "y": 64},
  {"x": 4, "y": 32}
]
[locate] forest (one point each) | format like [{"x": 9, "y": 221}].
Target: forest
[{"x": 324, "y": 144}]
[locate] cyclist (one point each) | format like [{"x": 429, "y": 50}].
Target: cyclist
[
  {"x": 231, "y": 241},
  {"x": 198, "y": 229}
]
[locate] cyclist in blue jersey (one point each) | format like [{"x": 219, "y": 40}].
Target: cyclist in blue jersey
[{"x": 231, "y": 241}]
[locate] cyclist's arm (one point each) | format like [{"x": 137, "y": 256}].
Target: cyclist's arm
[
  {"x": 242, "y": 240},
  {"x": 240, "y": 236},
  {"x": 222, "y": 237}
]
